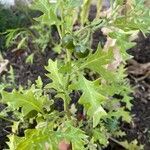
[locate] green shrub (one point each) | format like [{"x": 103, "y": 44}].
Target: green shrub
[{"x": 100, "y": 83}]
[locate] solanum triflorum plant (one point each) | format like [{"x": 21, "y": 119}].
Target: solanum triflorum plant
[{"x": 103, "y": 90}]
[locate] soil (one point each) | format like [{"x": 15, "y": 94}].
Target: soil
[{"x": 140, "y": 127}]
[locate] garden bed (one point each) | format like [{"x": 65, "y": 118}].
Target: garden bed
[{"x": 138, "y": 70}]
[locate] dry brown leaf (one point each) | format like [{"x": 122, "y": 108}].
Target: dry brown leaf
[
  {"x": 117, "y": 59},
  {"x": 3, "y": 65},
  {"x": 136, "y": 68},
  {"x": 111, "y": 43}
]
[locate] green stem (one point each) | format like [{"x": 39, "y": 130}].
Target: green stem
[
  {"x": 95, "y": 26},
  {"x": 116, "y": 141},
  {"x": 66, "y": 106},
  {"x": 62, "y": 21},
  {"x": 99, "y": 7},
  {"x": 59, "y": 31},
  {"x": 67, "y": 98}
]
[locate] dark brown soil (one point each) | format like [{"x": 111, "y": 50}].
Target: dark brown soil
[
  {"x": 140, "y": 128},
  {"x": 25, "y": 72}
]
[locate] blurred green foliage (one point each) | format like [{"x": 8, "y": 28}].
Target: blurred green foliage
[{"x": 13, "y": 18}]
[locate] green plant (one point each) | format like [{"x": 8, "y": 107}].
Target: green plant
[
  {"x": 33, "y": 39},
  {"x": 102, "y": 87},
  {"x": 13, "y": 18}
]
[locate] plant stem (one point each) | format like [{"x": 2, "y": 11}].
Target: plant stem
[
  {"x": 67, "y": 98},
  {"x": 116, "y": 141},
  {"x": 96, "y": 26},
  {"x": 99, "y": 7},
  {"x": 61, "y": 31},
  {"x": 66, "y": 106}
]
